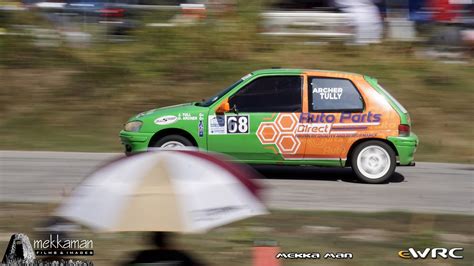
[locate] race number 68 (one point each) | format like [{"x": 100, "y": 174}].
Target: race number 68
[{"x": 237, "y": 124}]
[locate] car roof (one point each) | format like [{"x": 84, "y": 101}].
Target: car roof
[{"x": 316, "y": 72}]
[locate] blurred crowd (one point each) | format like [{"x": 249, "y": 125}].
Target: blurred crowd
[{"x": 442, "y": 22}]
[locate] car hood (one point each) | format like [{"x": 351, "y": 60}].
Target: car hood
[{"x": 169, "y": 110}]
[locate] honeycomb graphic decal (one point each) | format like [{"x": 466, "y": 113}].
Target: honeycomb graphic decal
[
  {"x": 281, "y": 133},
  {"x": 267, "y": 133},
  {"x": 286, "y": 122},
  {"x": 287, "y": 128},
  {"x": 288, "y": 144}
]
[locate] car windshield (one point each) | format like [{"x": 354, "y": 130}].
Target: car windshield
[{"x": 213, "y": 99}]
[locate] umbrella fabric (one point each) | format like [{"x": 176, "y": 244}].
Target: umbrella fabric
[{"x": 181, "y": 191}]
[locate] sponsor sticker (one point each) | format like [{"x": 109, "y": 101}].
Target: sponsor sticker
[
  {"x": 201, "y": 126},
  {"x": 188, "y": 117},
  {"x": 217, "y": 125},
  {"x": 166, "y": 120}
]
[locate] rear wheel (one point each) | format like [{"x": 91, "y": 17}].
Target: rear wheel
[
  {"x": 373, "y": 161},
  {"x": 173, "y": 142}
]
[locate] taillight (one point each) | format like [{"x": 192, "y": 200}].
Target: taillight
[{"x": 403, "y": 130}]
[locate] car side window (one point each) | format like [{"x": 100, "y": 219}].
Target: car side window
[
  {"x": 334, "y": 95},
  {"x": 269, "y": 94}
]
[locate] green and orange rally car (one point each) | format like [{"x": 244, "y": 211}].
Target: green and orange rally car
[{"x": 289, "y": 117}]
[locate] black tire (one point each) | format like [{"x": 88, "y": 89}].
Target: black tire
[
  {"x": 378, "y": 146},
  {"x": 175, "y": 138}
]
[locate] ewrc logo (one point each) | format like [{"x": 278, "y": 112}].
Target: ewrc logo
[
  {"x": 285, "y": 131},
  {"x": 433, "y": 253}
]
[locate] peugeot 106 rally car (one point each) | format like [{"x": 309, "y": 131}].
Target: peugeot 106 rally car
[{"x": 289, "y": 117}]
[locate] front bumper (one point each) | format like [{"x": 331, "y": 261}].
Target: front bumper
[
  {"x": 135, "y": 141},
  {"x": 406, "y": 148}
]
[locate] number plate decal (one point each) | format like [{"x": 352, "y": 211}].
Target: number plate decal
[
  {"x": 237, "y": 124},
  {"x": 229, "y": 124}
]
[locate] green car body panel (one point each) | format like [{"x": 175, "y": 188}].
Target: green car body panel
[{"x": 193, "y": 121}]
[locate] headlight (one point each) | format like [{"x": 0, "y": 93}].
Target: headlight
[{"x": 133, "y": 126}]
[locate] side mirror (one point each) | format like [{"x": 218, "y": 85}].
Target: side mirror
[{"x": 224, "y": 107}]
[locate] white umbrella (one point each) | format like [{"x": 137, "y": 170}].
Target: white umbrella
[{"x": 181, "y": 191}]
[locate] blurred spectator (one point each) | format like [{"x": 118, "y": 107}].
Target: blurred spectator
[
  {"x": 222, "y": 7},
  {"x": 366, "y": 19},
  {"x": 163, "y": 253}
]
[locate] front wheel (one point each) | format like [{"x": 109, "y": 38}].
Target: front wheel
[
  {"x": 373, "y": 161},
  {"x": 173, "y": 142}
]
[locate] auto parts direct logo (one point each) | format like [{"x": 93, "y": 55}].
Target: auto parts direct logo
[{"x": 287, "y": 128}]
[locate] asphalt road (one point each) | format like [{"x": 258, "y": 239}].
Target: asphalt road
[{"x": 428, "y": 187}]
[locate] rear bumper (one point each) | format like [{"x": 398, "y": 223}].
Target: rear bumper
[
  {"x": 406, "y": 148},
  {"x": 135, "y": 141}
]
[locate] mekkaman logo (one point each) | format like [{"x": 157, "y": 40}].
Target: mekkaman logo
[
  {"x": 20, "y": 252},
  {"x": 314, "y": 255},
  {"x": 298, "y": 255},
  {"x": 54, "y": 242}
]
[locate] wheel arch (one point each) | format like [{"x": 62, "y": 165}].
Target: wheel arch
[
  {"x": 171, "y": 131},
  {"x": 359, "y": 141}
]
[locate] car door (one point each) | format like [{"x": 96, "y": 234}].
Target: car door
[
  {"x": 328, "y": 124},
  {"x": 261, "y": 124}
]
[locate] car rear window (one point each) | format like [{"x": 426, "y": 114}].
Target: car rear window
[{"x": 334, "y": 95}]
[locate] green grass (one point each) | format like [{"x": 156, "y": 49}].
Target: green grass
[
  {"x": 373, "y": 238},
  {"x": 76, "y": 99}
]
